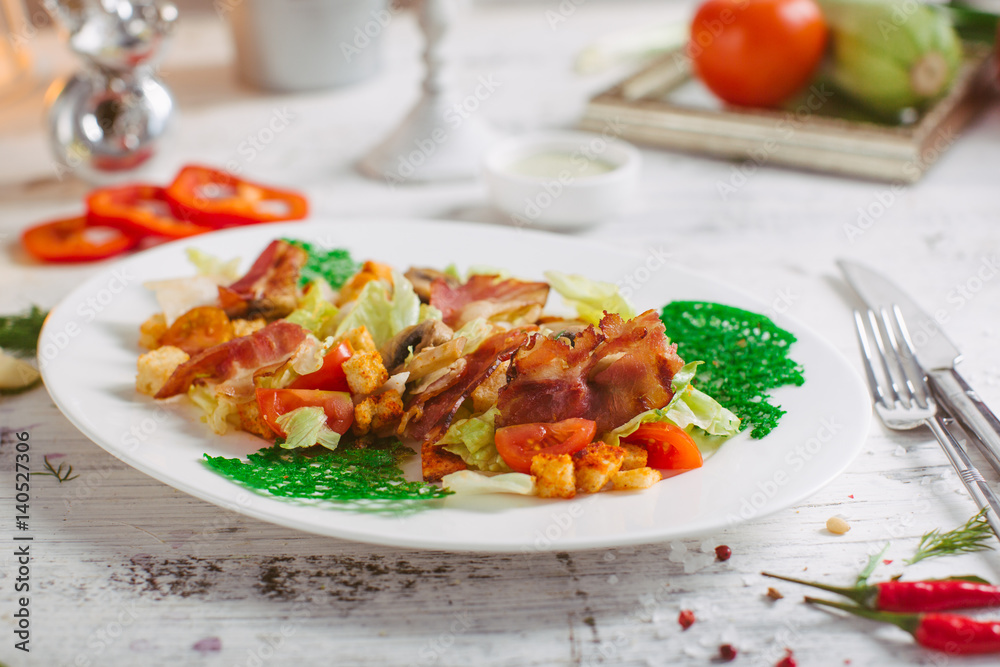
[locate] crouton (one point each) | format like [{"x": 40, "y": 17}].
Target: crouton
[
  {"x": 635, "y": 456},
  {"x": 436, "y": 462},
  {"x": 554, "y": 475},
  {"x": 594, "y": 465},
  {"x": 252, "y": 421},
  {"x": 364, "y": 412},
  {"x": 640, "y": 478},
  {"x": 152, "y": 330},
  {"x": 486, "y": 394},
  {"x": 361, "y": 340},
  {"x": 365, "y": 372},
  {"x": 156, "y": 367},
  {"x": 388, "y": 412},
  {"x": 369, "y": 272},
  {"x": 246, "y": 327}
]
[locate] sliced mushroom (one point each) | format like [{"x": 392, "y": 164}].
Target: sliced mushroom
[
  {"x": 417, "y": 337},
  {"x": 422, "y": 279}
]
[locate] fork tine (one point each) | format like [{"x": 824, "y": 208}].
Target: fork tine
[
  {"x": 883, "y": 357},
  {"x": 911, "y": 353},
  {"x": 866, "y": 353},
  {"x": 890, "y": 335}
]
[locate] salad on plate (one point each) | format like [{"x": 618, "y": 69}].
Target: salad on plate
[{"x": 498, "y": 390}]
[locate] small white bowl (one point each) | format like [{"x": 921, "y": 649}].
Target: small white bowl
[{"x": 562, "y": 179}]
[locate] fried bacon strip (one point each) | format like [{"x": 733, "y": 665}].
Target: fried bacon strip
[
  {"x": 433, "y": 408},
  {"x": 237, "y": 358},
  {"x": 270, "y": 287},
  {"x": 516, "y": 301},
  {"x": 608, "y": 374}
]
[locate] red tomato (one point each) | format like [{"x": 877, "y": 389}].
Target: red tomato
[
  {"x": 72, "y": 240},
  {"x": 518, "y": 444},
  {"x": 337, "y": 404},
  {"x": 668, "y": 446},
  {"x": 331, "y": 374},
  {"x": 199, "y": 329},
  {"x": 757, "y": 52}
]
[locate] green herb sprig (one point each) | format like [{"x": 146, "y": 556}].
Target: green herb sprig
[
  {"x": 19, "y": 333},
  {"x": 64, "y": 473},
  {"x": 334, "y": 266},
  {"x": 975, "y": 535}
]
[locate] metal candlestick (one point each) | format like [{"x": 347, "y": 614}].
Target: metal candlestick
[
  {"x": 440, "y": 139},
  {"x": 107, "y": 119}
]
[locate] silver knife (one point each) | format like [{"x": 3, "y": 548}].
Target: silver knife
[{"x": 936, "y": 353}]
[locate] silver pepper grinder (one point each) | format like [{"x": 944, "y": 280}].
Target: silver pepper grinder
[{"x": 107, "y": 120}]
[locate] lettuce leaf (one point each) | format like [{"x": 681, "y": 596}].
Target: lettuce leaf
[
  {"x": 589, "y": 297},
  {"x": 219, "y": 412},
  {"x": 305, "y": 427},
  {"x": 472, "y": 440},
  {"x": 469, "y": 482},
  {"x": 383, "y": 315},
  {"x": 314, "y": 312},
  {"x": 475, "y": 332},
  {"x": 700, "y": 415},
  {"x": 226, "y": 271}
]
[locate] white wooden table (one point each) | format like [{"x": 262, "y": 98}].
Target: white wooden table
[{"x": 128, "y": 571}]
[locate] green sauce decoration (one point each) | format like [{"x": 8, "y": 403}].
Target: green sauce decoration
[
  {"x": 345, "y": 475},
  {"x": 746, "y": 356}
]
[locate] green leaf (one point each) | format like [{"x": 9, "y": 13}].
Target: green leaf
[
  {"x": 473, "y": 440},
  {"x": 873, "y": 562},
  {"x": 19, "y": 333},
  {"x": 589, "y": 297},
  {"x": 305, "y": 427},
  {"x": 383, "y": 310}
]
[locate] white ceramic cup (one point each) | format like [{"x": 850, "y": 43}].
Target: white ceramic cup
[{"x": 295, "y": 45}]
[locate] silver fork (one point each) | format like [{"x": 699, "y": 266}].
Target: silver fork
[{"x": 904, "y": 400}]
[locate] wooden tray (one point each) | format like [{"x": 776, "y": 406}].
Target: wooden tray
[{"x": 662, "y": 105}]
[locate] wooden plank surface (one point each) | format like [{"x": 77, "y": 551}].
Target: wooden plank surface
[{"x": 127, "y": 571}]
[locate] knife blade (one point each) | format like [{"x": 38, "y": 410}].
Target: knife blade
[{"x": 935, "y": 352}]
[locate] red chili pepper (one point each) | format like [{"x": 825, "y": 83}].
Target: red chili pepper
[
  {"x": 73, "y": 240},
  {"x": 914, "y": 596},
  {"x": 138, "y": 210},
  {"x": 214, "y": 198},
  {"x": 950, "y": 633},
  {"x": 788, "y": 660}
]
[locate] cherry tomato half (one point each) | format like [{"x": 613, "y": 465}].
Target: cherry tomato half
[
  {"x": 331, "y": 374},
  {"x": 668, "y": 447},
  {"x": 517, "y": 445},
  {"x": 73, "y": 240},
  {"x": 757, "y": 52},
  {"x": 337, "y": 405}
]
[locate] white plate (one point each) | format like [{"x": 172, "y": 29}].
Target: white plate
[{"x": 88, "y": 352}]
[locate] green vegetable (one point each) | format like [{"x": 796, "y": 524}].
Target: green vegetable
[
  {"x": 210, "y": 265},
  {"x": 473, "y": 440},
  {"x": 748, "y": 353},
  {"x": 314, "y": 312},
  {"x": 221, "y": 414},
  {"x": 589, "y": 297},
  {"x": 701, "y": 416},
  {"x": 891, "y": 55},
  {"x": 334, "y": 266},
  {"x": 475, "y": 332},
  {"x": 975, "y": 535},
  {"x": 305, "y": 427},
  {"x": 348, "y": 474},
  {"x": 19, "y": 333},
  {"x": 382, "y": 315}
]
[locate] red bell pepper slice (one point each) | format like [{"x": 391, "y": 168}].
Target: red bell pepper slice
[
  {"x": 73, "y": 240},
  {"x": 215, "y": 198},
  {"x": 139, "y": 210}
]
